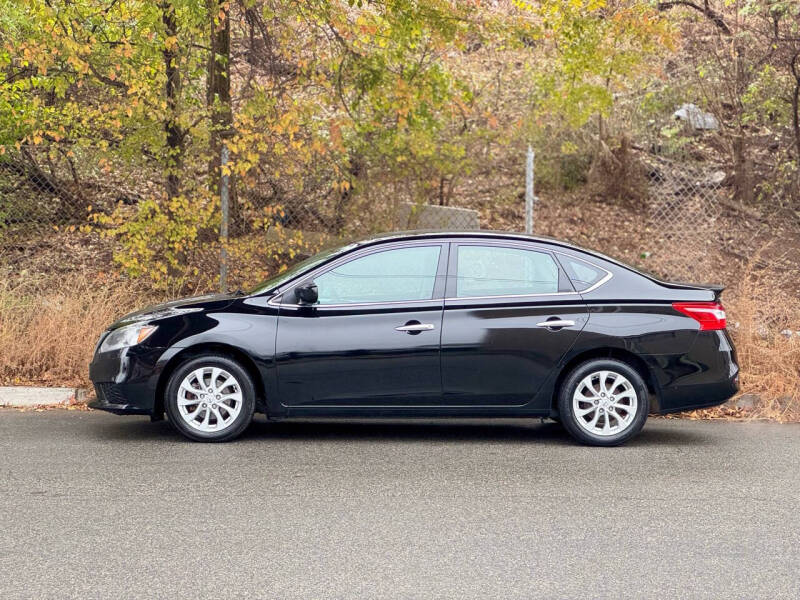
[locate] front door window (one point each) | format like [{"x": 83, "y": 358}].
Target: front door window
[{"x": 401, "y": 274}]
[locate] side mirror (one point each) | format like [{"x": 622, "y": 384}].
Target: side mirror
[{"x": 307, "y": 293}]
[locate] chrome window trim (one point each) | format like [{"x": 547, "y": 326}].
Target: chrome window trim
[
  {"x": 388, "y": 303},
  {"x": 594, "y": 286},
  {"x": 513, "y": 296},
  {"x": 499, "y": 242},
  {"x": 607, "y": 277}
]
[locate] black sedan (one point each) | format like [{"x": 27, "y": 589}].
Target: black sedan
[{"x": 428, "y": 324}]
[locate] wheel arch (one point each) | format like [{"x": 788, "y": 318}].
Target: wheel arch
[
  {"x": 626, "y": 356},
  {"x": 199, "y": 350}
]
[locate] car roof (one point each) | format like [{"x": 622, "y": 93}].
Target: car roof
[
  {"x": 445, "y": 234},
  {"x": 397, "y": 236}
]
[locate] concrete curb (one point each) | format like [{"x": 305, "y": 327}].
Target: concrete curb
[{"x": 28, "y": 396}]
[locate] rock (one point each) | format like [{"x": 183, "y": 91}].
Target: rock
[
  {"x": 746, "y": 401},
  {"x": 427, "y": 216},
  {"x": 696, "y": 117},
  {"x": 717, "y": 177}
]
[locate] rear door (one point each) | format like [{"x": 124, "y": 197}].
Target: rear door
[{"x": 510, "y": 315}]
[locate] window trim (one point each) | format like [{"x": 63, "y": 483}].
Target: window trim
[
  {"x": 449, "y": 253},
  {"x": 438, "y": 295},
  {"x": 595, "y": 285},
  {"x": 509, "y": 245},
  {"x": 522, "y": 245}
]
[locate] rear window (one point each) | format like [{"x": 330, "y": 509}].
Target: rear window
[{"x": 583, "y": 275}]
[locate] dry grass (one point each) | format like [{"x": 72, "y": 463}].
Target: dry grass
[
  {"x": 49, "y": 326},
  {"x": 764, "y": 322}
]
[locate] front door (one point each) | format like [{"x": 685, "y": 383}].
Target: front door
[
  {"x": 497, "y": 347},
  {"x": 372, "y": 339}
]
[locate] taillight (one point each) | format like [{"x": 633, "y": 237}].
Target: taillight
[{"x": 710, "y": 315}]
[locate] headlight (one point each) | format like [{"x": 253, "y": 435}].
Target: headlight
[{"x": 124, "y": 337}]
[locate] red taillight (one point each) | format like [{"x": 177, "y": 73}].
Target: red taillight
[{"x": 710, "y": 315}]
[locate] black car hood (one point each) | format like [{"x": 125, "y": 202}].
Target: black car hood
[{"x": 176, "y": 307}]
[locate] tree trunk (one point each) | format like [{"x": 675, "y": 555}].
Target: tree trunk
[
  {"x": 354, "y": 172},
  {"x": 743, "y": 171},
  {"x": 218, "y": 98},
  {"x": 796, "y": 105},
  {"x": 172, "y": 90}
]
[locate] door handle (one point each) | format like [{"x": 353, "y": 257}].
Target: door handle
[
  {"x": 556, "y": 323},
  {"x": 415, "y": 327}
]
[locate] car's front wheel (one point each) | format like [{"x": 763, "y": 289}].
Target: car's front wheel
[
  {"x": 603, "y": 402},
  {"x": 210, "y": 398}
]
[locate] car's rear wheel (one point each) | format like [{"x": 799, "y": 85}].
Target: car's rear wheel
[
  {"x": 603, "y": 402},
  {"x": 210, "y": 398}
]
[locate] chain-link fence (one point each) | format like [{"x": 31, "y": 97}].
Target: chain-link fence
[
  {"x": 683, "y": 207},
  {"x": 39, "y": 189},
  {"x": 47, "y": 192},
  {"x": 61, "y": 199},
  {"x": 52, "y": 195}
]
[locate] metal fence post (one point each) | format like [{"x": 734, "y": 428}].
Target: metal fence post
[
  {"x": 529, "y": 198},
  {"x": 223, "y": 226}
]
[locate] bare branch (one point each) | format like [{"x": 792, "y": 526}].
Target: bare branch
[{"x": 706, "y": 9}]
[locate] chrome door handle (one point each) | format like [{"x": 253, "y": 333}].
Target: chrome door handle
[
  {"x": 416, "y": 327},
  {"x": 556, "y": 323}
]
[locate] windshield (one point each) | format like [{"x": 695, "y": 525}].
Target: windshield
[{"x": 298, "y": 268}]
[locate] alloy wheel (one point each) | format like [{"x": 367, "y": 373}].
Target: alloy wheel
[
  {"x": 209, "y": 399},
  {"x": 604, "y": 403}
]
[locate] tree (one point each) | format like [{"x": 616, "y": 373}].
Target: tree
[
  {"x": 218, "y": 94},
  {"x": 746, "y": 61}
]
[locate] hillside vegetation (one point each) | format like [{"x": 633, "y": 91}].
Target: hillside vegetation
[{"x": 666, "y": 134}]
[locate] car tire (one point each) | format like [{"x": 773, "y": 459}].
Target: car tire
[
  {"x": 210, "y": 398},
  {"x": 603, "y": 402}
]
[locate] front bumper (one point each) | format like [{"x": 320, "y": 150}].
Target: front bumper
[
  {"x": 111, "y": 397},
  {"x": 125, "y": 381}
]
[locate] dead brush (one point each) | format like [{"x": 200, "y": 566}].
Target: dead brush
[
  {"x": 48, "y": 327},
  {"x": 764, "y": 323}
]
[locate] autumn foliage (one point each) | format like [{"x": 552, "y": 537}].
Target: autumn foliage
[{"x": 120, "y": 121}]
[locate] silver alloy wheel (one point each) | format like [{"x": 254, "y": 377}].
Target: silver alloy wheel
[
  {"x": 604, "y": 403},
  {"x": 209, "y": 399}
]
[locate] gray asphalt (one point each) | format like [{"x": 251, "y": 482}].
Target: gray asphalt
[{"x": 99, "y": 506}]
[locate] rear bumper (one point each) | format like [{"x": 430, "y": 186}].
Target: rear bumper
[{"x": 708, "y": 375}]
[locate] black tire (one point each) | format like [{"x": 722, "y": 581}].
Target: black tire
[
  {"x": 570, "y": 421},
  {"x": 240, "y": 422}
]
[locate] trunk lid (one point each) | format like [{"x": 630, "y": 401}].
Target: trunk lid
[{"x": 714, "y": 288}]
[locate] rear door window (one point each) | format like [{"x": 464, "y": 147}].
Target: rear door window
[{"x": 504, "y": 271}]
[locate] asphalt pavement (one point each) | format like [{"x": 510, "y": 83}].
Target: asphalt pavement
[{"x": 99, "y": 506}]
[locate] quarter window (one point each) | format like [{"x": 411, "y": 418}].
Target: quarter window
[
  {"x": 502, "y": 271},
  {"x": 582, "y": 274},
  {"x": 396, "y": 275}
]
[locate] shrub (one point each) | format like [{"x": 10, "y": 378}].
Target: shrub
[{"x": 49, "y": 326}]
